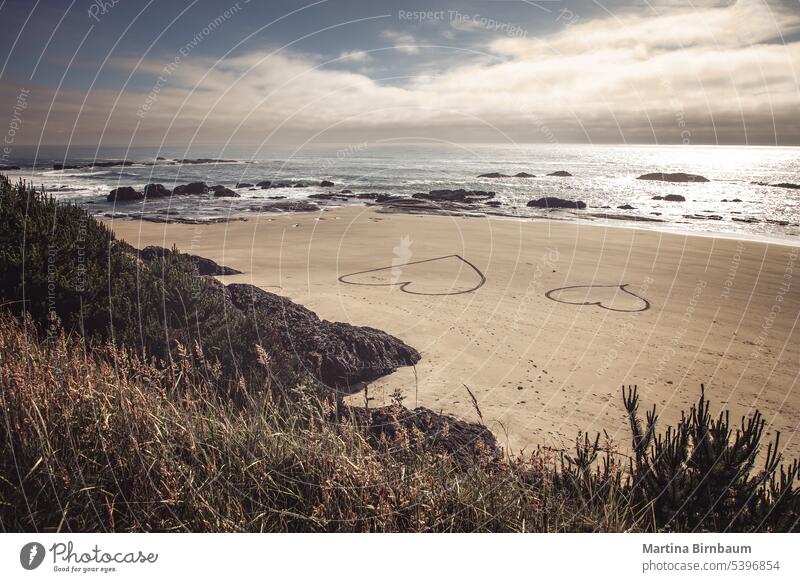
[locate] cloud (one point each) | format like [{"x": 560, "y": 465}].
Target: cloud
[
  {"x": 402, "y": 41},
  {"x": 354, "y": 56},
  {"x": 633, "y": 78}
]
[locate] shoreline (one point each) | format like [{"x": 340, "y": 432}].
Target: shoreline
[{"x": 540, "y": 369}]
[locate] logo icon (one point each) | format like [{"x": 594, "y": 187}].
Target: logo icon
[{"x": 31, "y": 555}]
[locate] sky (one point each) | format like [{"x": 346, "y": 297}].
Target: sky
[{"x": 250, "y": 72}]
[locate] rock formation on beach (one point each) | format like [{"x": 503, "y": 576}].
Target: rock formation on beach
[
  {"x": 673, "y": 177},
  {"x": 554, "y": 202},
  {"x": 338, "y": 354},
  {"x": 561, "y": 174},
  {"x": 225, "y": 193},
  {"x": 524, "y": 175},
  {"x": 203, "y": 265},
  {"x": 493, "y": 175}
]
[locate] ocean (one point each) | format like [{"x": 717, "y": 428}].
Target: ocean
[{"x": 603, "y": 176}]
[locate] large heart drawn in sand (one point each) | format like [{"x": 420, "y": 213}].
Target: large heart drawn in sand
[
  {"x": 448, "y": 275},
  {"x": 610, "y": 297}
]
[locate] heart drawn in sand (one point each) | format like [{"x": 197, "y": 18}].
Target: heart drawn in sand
[
  {"x": 448, "y": 275},
  {"x": 610, "y": 297}
]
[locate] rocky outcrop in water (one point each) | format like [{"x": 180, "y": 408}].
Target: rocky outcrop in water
[
  {"x": 191, "y": 188},
  {"x": 327, "y": 184},
  {"x": 460, "y": 195},
  {"x": 156, "y": 191},
  {"x": 554, "y": 202},
  {"x": 225, "y": 193},
  {"x": 124, "y": 194},
  {"x": 560, "y": 174},
  {"x": 670, "y": 198},
  {"x": 287, "y": 206},
  {"x": 494, "y": 175},
  {"x": 243, "y": 185},
  {"x": 110, "y": 164},
  {"x": 338, "y": 354},
  {"x": 673, "y": 177},
  {"x": 524, "y": 175}
]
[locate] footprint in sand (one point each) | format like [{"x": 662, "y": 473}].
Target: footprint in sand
[
  {"x": 448, "y": 275},
  {"x": 610, "y": 297}
]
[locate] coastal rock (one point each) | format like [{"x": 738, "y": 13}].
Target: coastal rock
[
  {"x": 626, "y": 207},
  {"x": 243, "y": 185},
  {"x": 327, "y": 184},
  {"x": 787, "y": 185},
  {"x": 554, "y": 202},
  {"x": 747, "y": 220},
  {"x": 670, "y": 198},
  {"x": 160, "y": 159},
  {"x": 346, "y": 192},
  {"x": 299, "y": 185},
  {"x": 225, "y": 193},
  {"x": 205, "y": 161},
  {"x": 338, "y": 354},
  {"x": 264, "y": 184},
  {"x": 673, "y": 177},
  {"x": 6, "y": 168},
  {"x": 124, "y": 194},
  {"x": 328, "y": 196},
  {"x": 493, "y": 203},
  {"x": 494, "y": 175},
  {"x": 202, "y": 265},
  {"x": 191, "y": 188},
  {"x": 460, "y": 195},
  {"x": 427, "y": 431},
  {"x": 561, "y": 174},
  {"x": 289, "y": 206},
  {"x": 703, "y": 216},
  {"x": 524, "y": 175},
  {"x": 216, "y": 187},
  {"x": 156, "y": 191}
]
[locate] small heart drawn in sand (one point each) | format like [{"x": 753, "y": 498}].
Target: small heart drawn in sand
[
  {"x": 610, "y": 297},
  {"x": 448, "y": 275}
]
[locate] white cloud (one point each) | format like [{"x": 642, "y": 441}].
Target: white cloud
[
  {"x": 354, "y": 56},
  {"x": 612, "y": 79},
  {"x": 402, "y": 41}
]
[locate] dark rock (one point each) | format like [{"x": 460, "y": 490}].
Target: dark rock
[
  {"x": 422, "y": 430},
  {"x": 703, "y": 216},
  {"x": 328, "y": 196},
  {"x": 787, "y": 185},
  {"x": 736, "y": 200},
  {"x": 225, "y": 193},
  {"x": 338, "y": 354},
  {"x": 215, "y": 188},
  {"x": 346, "y": 192},
  {"x": 460, "y": 195},
  {"x": 160, "y": 159},
  {"x": 6, "y": 168},
  {"x": 192, "y": 188},
  {"x": 524, "y": 175},
  {"x": 299, "y": 185},
  {"x": 561, "y": 174},
  {"x": 674, "y": 177},
  {"x": 553, "y": 202},
  {"x": 243, "y": 185},
  {"x": 327, "y": 184},
  {"x": 289, "y": 206},
  {"x": 670, "y": 198},
  {"x": 494, "y": 175},
  {"x": 124, "y": 194},
  {"x": 264, "y": 184},
  {"x": 201, "y": 265},
  {"x": 626, "y": 207},
  {"x": 205, "y": 161},
  {"x": 156, "y": 191},
  {"x": 493, "y": 203},
  {"x": 748, "y": 220}
]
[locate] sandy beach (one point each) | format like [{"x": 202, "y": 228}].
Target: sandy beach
[{"x": 543, "y": 320}]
